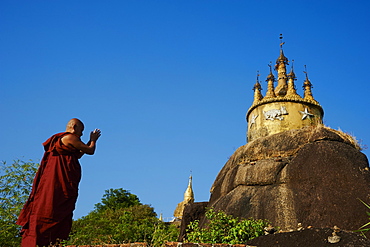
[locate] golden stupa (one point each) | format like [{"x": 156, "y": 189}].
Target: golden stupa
[
  {"x": 188, "y": 198},
  {"x": 282, "y": 108}
]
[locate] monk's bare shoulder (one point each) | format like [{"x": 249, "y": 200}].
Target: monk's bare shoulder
[{"x": 71, "y": 140}]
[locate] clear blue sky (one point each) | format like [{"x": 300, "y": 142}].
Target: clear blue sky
[{"x": 169, "y": 82}]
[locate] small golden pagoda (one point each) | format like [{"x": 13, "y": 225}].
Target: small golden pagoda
[
  {"x": 188, "y": 198},
  {"x": 282, "y": 108}
]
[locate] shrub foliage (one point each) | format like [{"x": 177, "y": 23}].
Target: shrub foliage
[
  {"x": 121, "y": 218},
  {"x": 226, "y": 229},
  {"x": 15, "y": 186}
]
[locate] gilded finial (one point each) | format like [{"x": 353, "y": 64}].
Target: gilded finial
[
  {"x": 257, "y": 85},
  {"x": 280, "y": 67},
  {"x": 270, "y": 84},
  {"x": 281, "y": 58},
  {"x": 281, "y": 41},
  {"x": 291, "y": 73},
  {"x": 257, "y": 90},
  {"x": 307, "y": 81},
  {"x": 271, "y": 75},
  {"x": 291, "y": 92},
  {"x": 307, "y": 85},
  {"x": 189, "y": 195}
]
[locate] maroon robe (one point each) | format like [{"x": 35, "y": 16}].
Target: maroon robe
[{"x": 47, "y": 215}]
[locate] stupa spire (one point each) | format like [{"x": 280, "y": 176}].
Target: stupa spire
[
  {"x": 189, "y": 194},
  {"x": 307, "y": 86},
  {"x": 257, "y": 90},
  {"x": 291, "y": 92},
  {"x": 280, "y": 67},
  {"x": 188, "y": 198},
  {"x": 270, "y": 84}
]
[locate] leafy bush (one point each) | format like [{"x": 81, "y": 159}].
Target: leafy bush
[
  {"x": 226, "y": 229},
  {"x": 133, "y": 224},
  {"x": 120, "y": 218},
  {"x": 15, "y": 186},
  {"x": 164, "y": 232}
]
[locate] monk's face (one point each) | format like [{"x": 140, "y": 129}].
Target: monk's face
[{"x": 79, "y": 128}]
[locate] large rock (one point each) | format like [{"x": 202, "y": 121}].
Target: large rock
[
  {"x": 314, "y": 176},
  {"x": 192, "y": 212}
]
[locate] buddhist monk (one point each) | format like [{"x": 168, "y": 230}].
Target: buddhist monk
[{"x": 46, "y": 218}]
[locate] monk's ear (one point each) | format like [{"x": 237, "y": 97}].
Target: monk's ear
[{"x": 74, "y": 126}]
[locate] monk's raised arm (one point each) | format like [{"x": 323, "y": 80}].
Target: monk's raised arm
[{"x": 75, "y": 141}]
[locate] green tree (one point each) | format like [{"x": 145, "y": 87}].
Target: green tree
[
  {"x": 117, "y": 198},
  {"x": 226, "y": 229},
  {"x": 163, "y": 232},
  {"x": 15, "y": 186},
  {"x": 120, "y": 218}
]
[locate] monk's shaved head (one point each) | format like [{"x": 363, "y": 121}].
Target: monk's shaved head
[{"x": 75, "y": 125}]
